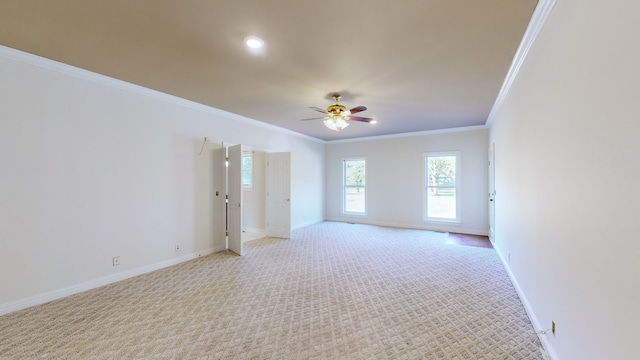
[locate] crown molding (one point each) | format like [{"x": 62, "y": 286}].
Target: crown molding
[
  {"x": 410, "y": 134},
  {"x": 45, "y": 63},
  {"x": 538, "y": 19}
]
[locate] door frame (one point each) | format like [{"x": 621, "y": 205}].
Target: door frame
[
  {"x": 230, "y": 202},
  {"x": 492, "y": 192}
]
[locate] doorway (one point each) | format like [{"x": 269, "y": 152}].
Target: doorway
[
  {"x": 276, "y": 196},
  {"x": 492, "y": 193}
]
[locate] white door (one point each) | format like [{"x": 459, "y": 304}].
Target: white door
[
  {"x": 492, "y": 192},
  {"x": 278, "y": 202},
  {"x": 234, "y": 188},
  {"x": 219, "y": 199}
]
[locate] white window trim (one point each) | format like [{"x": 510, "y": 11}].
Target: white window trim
[
  {"x": 458, "y": 155},
  {"x": 344, "y": 178}
]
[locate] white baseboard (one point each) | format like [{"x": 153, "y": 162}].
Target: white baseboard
[
  {"x": 254, "y": 230},
  {"x": 305, "y": 224},
  {"x": 430, "y": 227},
  {"x": 215, "y": 250},
  {"x": 550, "y": 352},
  {"x": 96, "y": 283}
]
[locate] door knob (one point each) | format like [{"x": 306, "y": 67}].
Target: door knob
[{"x": 238, "y": 204}]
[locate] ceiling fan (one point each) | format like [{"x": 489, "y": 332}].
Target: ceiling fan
[{"x": 337, "y": 116}]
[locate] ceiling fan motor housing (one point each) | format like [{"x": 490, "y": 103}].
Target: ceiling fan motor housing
[{"x": 338, "y": 110}]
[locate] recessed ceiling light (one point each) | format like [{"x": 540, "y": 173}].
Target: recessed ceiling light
[{"x": 253, "y": 42}]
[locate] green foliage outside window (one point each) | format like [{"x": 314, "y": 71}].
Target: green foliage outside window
[
  {"x": 354, "y": 172},
  {"x": 442, "y": 173},
  {"x": 247, "y": 167}
]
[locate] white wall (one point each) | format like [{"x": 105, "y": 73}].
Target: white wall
[
  {"x": 394, "y": 179},
  {"x": 567, "y": 172},
  {"x": 94, "y": 168}
]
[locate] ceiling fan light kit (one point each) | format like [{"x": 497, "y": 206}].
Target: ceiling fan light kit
[
  {"x": 338, "y": 116},
  {"x": 336, "y": 122}
]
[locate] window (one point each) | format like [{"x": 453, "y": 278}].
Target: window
[
  {"x": 441, "y": 186},
  {"x": 354, "y": 200},
  {"x": 247, "y": 170}
]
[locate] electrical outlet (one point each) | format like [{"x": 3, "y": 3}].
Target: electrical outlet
[
  {"x": 206, "y": 139},
  {"x": 553, "y": 328},
  {"x": 116, "y": 260},
  {"x": 509, "y": 256},
  {"x": 177, "y": 246}
]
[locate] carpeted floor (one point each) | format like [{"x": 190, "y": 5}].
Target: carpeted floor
[{"x": 334, "y": 291}]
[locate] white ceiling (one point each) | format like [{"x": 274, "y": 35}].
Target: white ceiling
[{"x": 416, "y": 64}]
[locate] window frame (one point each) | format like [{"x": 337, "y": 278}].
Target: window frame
[
  {"x": 344, "y": 185},
  {"x": 457, "y": 187}
]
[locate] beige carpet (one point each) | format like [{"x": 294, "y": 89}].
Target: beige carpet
[{"x": 334, "y": 291}]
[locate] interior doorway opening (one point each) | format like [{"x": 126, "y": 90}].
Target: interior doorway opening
[{"x": 258, "y": 195}]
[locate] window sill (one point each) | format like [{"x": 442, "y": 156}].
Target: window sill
[
  {"x": 354, "y": 214},
  {"x": 440, "y": 221}
]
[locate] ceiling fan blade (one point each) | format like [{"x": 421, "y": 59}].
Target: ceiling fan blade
[
  {"x": 359, "y": 118},
  {"x": 357, "y": 109},
  {"x": 317, "y": 109},
  {"x": 315, "y": 118}
]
